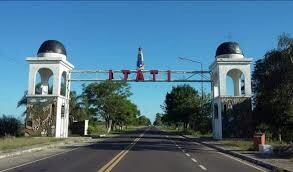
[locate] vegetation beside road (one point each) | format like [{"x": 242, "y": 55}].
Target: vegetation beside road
[
  {"x": 7, "y": 143},
  {"x": 182, "y": 131},
  {"x": 96, "y": 129},
  {"x": 272, "y": 82},
  {"x": 10, "y": 126},
  {"x": 186, "y": 111},
  {"x": 108, "y": 103},
  {"x": 241, "y": 144}
]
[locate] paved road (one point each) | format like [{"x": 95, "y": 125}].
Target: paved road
[{"x": 143, "y": 150}]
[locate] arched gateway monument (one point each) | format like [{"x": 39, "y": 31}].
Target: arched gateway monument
[
  {"x": 50, "y": 77},
  {"x": 231, "y": 62},
  {"x": 48, "y": 99}
]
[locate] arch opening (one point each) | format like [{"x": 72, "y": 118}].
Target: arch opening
[
  {"x": 44, "y": 82},
  {"x": 63, "y": 90},
  {"x": 235, "y": 80}
]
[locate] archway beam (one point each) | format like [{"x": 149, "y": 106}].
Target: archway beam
[{"x": 140, "y": 75}]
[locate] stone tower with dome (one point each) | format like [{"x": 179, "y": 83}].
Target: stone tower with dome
[
  {"x": 48, "y": 91},
  {"x": 229, "y": 61}
]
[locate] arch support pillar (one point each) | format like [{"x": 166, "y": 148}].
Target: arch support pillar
[
  {"x": 48, "y": 114},
  {"x": 223, "y": 66}
]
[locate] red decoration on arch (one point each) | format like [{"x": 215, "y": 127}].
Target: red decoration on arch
[
  {"x": 111, "y": 75},
  {"x": 139, "y": 75},
  {"x": 126, "y": 73},
  {"x": 169, "y": 75},
  {"x": 154, "y": 73}
]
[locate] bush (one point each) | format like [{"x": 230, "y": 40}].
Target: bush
[
  {"x": 10, "y": 126},
  {"x": 96, "y": 128}
]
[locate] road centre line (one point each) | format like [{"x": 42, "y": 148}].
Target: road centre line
[
  {"x": 187, "y": 154},
  {"x": 113, "y": 162},
  {"x": 47, "y": 157}
]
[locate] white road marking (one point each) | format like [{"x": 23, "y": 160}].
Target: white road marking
[
  {"x": 194, "y": 160},
  {"x": 183, "y": 150},
  {"x": 202, "y": 167},
  {"x": 187, "y": 154},
  {"x": 260, "y": 169},
  {"x": 236, "y": 159}
]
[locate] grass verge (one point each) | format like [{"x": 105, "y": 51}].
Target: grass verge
[
  {"x": 19, "y": 142},
  {"x": 242, "y": 144}
]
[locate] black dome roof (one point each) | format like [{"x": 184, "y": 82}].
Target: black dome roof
[
  {"x": 52, "y": 46},
  {"x": 228, "y": 48}
]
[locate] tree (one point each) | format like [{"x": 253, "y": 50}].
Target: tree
[
  {"x": 143, "y": 121},
  {"x": 158, "y": 120},
  {"x": 273, "y": 88},
  {"x": 10, "y": 126},
  {"x": 181, "y": 104},
  {"x": 78, "y": 107},
  {"x": 202, "y": 120},
  {"x": 106, "y": 99}
]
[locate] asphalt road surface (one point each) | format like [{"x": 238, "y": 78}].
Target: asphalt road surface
[{"x": 143, "y": 150}]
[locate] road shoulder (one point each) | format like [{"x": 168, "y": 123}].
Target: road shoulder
[{"x": 249, "y": 156}]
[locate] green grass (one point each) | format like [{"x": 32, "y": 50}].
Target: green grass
[
  {"x": 125, "y": 130},
  {"x": 184, "y": 132},
  {"x": 242, "y": 144},
  {"x": 101, "y": 129},
  {"x": 19, "y": 142}
]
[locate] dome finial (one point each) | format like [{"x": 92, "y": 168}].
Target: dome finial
[
  {"x": 52, "y": 46},
  {"x": 228, "y": 48}
]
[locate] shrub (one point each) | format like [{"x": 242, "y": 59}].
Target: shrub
[
  {"x": 10, "y": 126},
  {"x": 96, "y": 128}
]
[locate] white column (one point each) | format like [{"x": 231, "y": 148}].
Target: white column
[
  {"x": 222, "y": 81},
  {"x": 57, "y": 81},
  {"x": 32, "y": 79},
  {"x": 247, "y": 81},
  {"x": 236, "y": 83}
]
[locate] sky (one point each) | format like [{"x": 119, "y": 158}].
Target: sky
[{"x": 106, "y": 35}]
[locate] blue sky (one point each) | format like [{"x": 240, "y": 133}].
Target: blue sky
[{"x": 106, "y": 35}]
